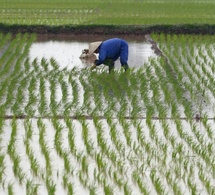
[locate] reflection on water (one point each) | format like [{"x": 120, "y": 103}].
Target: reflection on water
[{"x": 67, "y": 52}]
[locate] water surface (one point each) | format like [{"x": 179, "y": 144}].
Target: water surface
[{"x": 66, "y": 49}]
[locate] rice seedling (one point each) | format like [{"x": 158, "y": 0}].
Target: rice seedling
[
  {"x": 34, "y": 165},
  {"x": 193, "y": 187},
  {"x": 87, "y": 142},
  {"x": 75, "y": 94},
  {"x": 101, "y": 163},
  {"x": 71, "y": 135},
  {"x": 44, "y": 148},
  {"x": 65, "y": 92},
  {"x": 10, "y": 189},
  {"x": 54, "y": 64},
  {"x": 127, "y": 132},
  {"x": 31, "y": 188},
  {"x": 157, "y": 183},
  {"x": 176, "y": 189},
  {"x": 85, "y": 165},
  {"x": 17, "y": 170},
  {"x": 112, "y": 152},
  {"x": 87, "y": 88},
  {"x": 33, "y": 96},
  {"x": 11, "y": 146},
  {"x": 118, "y": 180},
  {"x": 102, "y": 142},
  {"x": 206, "y": 181},
  {"x": 166, "y": 129},
  {"x": 82, "y": 179},
  {"x": 51, "y": 186},
  {"x": 8, "y": 54},
  {"x": 71, "y": 189},
  {"x": 127, "y": 190},
  {"x": 108, "y": 189},
  {"x": 91, "y": 12},
  {"x": 44, "y": 64},
  {"x": 2, "y": 167},
  {"x": 58, "y": 137},
  {"x": 4, "y": 39},
  {"x": 43, "y": 107},
  {"x": 67, "y": 163},
  {"x": 209, "y": 131},
  {"x": 92, "y": 191},
  {"x": 12, "y": 62},
  {"x": 141, "y": 185}
]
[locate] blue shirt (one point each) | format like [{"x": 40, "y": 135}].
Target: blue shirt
[{"x": 113, "y": 49}]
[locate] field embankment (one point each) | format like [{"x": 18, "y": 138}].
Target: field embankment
[{"x": 109, "y": 29}]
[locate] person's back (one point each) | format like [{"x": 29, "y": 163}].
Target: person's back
[
  {"x": 113, "y": 49},
  {"x": 110, "y": 50}
]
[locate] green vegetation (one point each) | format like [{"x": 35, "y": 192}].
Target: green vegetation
[
  {"x": 147, "y": 131},
  {"x": 123, "y": 147},
  {"x": 85, "y": 12}
]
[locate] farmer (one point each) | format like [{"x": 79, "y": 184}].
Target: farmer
[{"x": 109, "y": 51}]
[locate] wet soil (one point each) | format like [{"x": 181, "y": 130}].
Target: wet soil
[
  {"x": 110, "y": 29},
  {"x": 197, "y": 118}
]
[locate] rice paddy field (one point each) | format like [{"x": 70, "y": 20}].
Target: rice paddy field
[
  {"x": 70, "y": 130},
  {"x": 75, "y": 131},
  {"x": 114, "y": 12}
]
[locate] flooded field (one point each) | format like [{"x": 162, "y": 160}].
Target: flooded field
[
  {"x": 66, "y": 50},
  {"x": 68, "y": 130}
]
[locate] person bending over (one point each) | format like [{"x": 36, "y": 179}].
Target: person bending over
[{"x": 109, "y": 51}]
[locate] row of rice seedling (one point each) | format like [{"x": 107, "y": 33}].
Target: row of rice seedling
[
  {"x": 11, "y": 73},
  {"x": 92, "y": 12},
  {"x": 112, "y": 92},
  {"x": 196, "y": 76},
  {"x": 81, "y": 132},
  {"x": 46, "y": 13},
  {"x": 134, "y": 160}
]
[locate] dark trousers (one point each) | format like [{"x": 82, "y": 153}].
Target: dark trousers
[{"x": 110, "y": 64}]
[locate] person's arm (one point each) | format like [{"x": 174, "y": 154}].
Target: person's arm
[{"x": 102, "y": 56}]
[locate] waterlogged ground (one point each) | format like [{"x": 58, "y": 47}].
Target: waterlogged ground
[
  {"x": 107, "y": 157},
  {"x": 67, "y": 49},
  {"x": 70, "y": 130}
]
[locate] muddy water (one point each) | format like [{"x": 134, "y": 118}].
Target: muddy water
[{"x": 66, "y": 49}]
